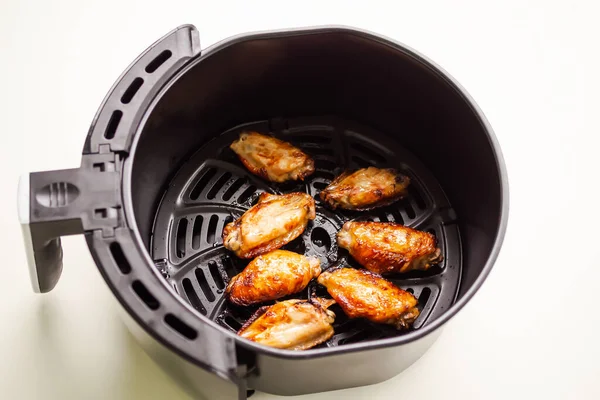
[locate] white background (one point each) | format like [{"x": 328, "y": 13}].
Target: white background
[{"x": 533, "y": 330}]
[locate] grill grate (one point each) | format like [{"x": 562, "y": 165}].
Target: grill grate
[{"x": 213, "y": 188}]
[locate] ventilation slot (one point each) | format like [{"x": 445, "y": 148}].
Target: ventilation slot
[
  {"x": 181, "y": 236},
  {"x": 410, "y": 213},
  {"x": 196, "y": 231},
  {"x": 326, "y": 165},
  {"x": 424, "y": 297},
  {"x": 218, "y": 185},
  {"x": 320, "y": 185},
  {"x": 216, "y": 275},
  {"x": 158, "y": 61},
  {"x": 229, "y": 267},
  {"x": 232, "y": 323},
  {"x": 246, "y": 194},
  {"x": 212, "y": 229},
  {"x": 188, "y": 288},
  {"x": 320, "y": 151},
  {"x": 360, "y": 336},
  {"x": 113, "y": 124},
  {"x": 180, "y": 327},
  {"x": 309, "y": 139},
  {"x": 372, "y": 154},
  {"x": 119, "y": 257},
  {"x": 210, "y": 296},
  {"x": 234, "y": 188},
  {"x": 325, "y": 175},
  {"x": 145, "y": 295},
  {"x": 416, "y": 195},
  {"x": 397, "y": 217},
  {"x": 208, "y": 175},
  {"x": 132, "y": 90},
  {"x": 361, "y": 162}
]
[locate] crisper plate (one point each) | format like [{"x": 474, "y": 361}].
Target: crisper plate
[{"x": 213, "y": 188}]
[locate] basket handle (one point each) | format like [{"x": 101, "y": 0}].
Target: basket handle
[{"x": 58, "y": 203}]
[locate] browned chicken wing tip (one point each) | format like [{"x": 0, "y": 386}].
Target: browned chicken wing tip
[
  {"x": 273, "y": 222},
  {"x": 365, "y": 189},
  {"x": 386, "y": 247},
  {"x": 364, "y": 294},
  {"x": 272, "y": 276},
  {"x": 291, "y": 324},
  {"x": 272, "y": 158}
]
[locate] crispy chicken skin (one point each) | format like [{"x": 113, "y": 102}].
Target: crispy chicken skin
[
  {"x": 365, "y": 189},
  {"x": 274, "y": 221},
  {"x": 271, "y": 158},
  {"x": 292, "y": 324},
  {"x": 364, "y": 294},
  {"x": 386, "y": 247},
  {"x": 272, "y": 276}
]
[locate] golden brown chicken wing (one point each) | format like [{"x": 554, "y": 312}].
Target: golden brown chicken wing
[
  {"x": 271, "y": 158},
  {"x": 385, "y": 247},
  {"x": 292, "y": 324},
  {"x": 274, "y": 221},
  {"x": 272, "y": 276},
  {"x": 365, "y": 189},
  {"x": 364, "y": 294}
]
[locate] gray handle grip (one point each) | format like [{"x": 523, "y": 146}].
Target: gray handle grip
[
  {"x": 42, "y": 238},
  {"x": 59, "y": 203}
]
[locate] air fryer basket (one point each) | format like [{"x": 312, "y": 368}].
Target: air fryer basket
[{"x": 158, "y": 183}]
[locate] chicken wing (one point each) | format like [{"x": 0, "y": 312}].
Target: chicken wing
[
  {"x": 272, "y": 276},
  {"x": 364, "y": 294},
  {"x": 292, "y": 324},
  {"x": 274, "y": 221},
  {"x": 365, "y": 189},
  {"x": 386, "y": 247},
  {"x": 271, "y": 158}
]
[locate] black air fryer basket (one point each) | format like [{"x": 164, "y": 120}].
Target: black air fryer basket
[{"x": 158, "y": 183}]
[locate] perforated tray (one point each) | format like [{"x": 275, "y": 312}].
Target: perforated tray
[{"x": 213, "y": 188}]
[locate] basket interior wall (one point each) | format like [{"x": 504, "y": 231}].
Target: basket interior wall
[{"x": 341, "y": 74}]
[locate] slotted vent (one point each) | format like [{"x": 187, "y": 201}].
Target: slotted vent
[
  {"x": 202, "y": 183},
  {"x": 144, "y": 294},
  {"x": 113, "y": 124},
  {"x": 181, "y": 237},
  {"x": 218, "y": 185},
  {"x": 180, "y": 327},
  {"x": 132, "y": 90},
  {"x": 158, "y": 61},
  {"x": 372, "y": 156},
  {"x": 119, "y": 257},
  {"x": 197, "y": 232},
  {"x": 192, "y": 297}
]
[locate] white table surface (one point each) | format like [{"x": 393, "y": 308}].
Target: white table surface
[{"x": 532, "y": 331}]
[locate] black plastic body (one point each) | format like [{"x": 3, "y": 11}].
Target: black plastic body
[{"x": 174, "y": 99}]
